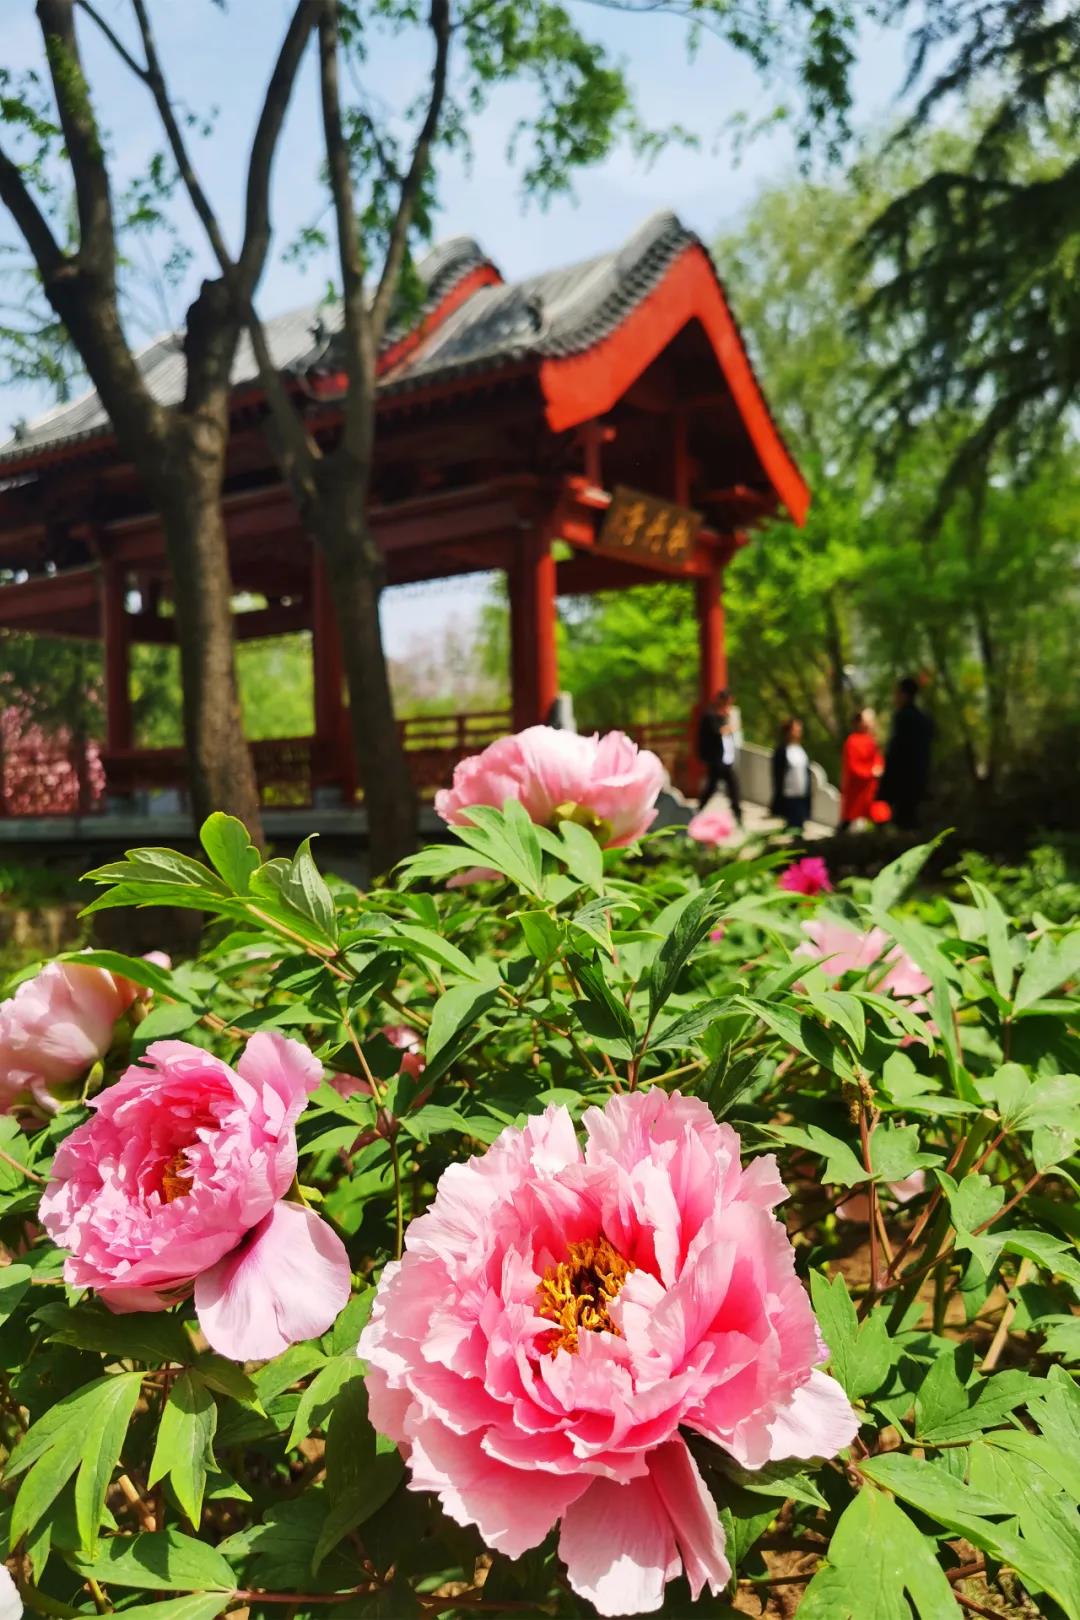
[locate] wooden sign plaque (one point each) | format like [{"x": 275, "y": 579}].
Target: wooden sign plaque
[{"x": 637, "y": 525}]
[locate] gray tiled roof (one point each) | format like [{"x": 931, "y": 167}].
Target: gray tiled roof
[{"x": 560, "y": 312}]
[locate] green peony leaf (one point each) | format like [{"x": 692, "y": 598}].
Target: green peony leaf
[
  {"x": 184, "y": 1452},
  {"x": 876, "y": 1561}
]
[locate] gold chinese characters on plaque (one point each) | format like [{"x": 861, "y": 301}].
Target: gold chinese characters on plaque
[{"x": 638, "y": 525}]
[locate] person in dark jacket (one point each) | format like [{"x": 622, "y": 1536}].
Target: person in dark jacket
[
  {"x": 907, "y": 758},
  {"x": 791, "y": 777},
  {"x": 717, "y": 747}
]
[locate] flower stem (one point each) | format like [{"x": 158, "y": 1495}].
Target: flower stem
[
  {"x": 31, "y": 1175},
  {"x": 399, "y": 1212}
]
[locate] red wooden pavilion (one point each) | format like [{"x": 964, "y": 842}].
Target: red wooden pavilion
[{"x": 611, "y": 406}]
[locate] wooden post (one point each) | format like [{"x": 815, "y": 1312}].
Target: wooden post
[
  {"x": 116, "y": 641},
  {"x": 534, "y": 661},
  {"x": 712, "y": 655},
  {"x": 332, "y": 740}
]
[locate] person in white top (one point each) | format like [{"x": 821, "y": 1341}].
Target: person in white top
[{"x": 791, "y": 777}]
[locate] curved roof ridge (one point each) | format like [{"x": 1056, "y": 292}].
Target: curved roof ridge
[
  {"x": 441, "y": 269},
  {"x": 619, "y": 279}
]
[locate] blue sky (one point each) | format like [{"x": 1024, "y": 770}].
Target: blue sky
[{"x": 222, "y": 60}]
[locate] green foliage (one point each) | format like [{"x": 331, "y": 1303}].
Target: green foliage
[
  {"x": 949, "y": 1319},
  {"x": 988, "y": 587}
]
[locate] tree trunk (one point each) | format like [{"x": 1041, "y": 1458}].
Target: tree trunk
[
  {"x": 996, "y": 695},
  {"x": 187, "y": 491},
  {"x": 180, "y": 458},
  {"x": 355, "y": 569}
]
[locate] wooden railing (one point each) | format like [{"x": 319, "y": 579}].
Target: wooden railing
[
  {"x": 670, "y": 739},
  {"x": 49, "y": 778}
]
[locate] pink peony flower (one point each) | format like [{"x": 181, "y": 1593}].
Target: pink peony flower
[
  {"x": 857, "y": 1207},
  {"x": 716, "y": 934},
  {"x": 710, "y": 827},
  {"x": 559, "y": 1316},
  {"x": 848, "y": 951},
  {"x": 808, "y": 876},
  {"x": 178, "y": 1179},
  {"x": 57, "y": 1025},
  {"x": 606, "y": 783}
]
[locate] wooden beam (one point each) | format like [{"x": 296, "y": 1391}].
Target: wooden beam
[
  {"x": 44, "y": 596},
  {"x": 281, "y": 619},
  {"x": 587, "y": 572}
]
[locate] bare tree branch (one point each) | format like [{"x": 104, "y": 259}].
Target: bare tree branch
[
  {"x": 360, "y": 342},
  {"x": 155, "y": 79},
  {"x": 15, "y": 195},
  {"x": 297, "y": 448},
  {"x": 439, "y": 21},
  {"x": 278, "y": 92},
  {"x": 97, "y": 235},
  {"x": 114, "y": 39}
]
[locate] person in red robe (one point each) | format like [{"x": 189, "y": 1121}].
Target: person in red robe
[{"x": 862, "y": 765}]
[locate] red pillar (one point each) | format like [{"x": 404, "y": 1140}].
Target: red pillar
[
  {"x": 534, "y": 661},
  {"x": 333, "y": 752},
  {"x": 712, "y": 666},
  {"x": 115, "y": 637}
]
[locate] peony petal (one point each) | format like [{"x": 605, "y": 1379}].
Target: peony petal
[
  {"x": 285, "y": 1282},
  {"x": 819, "y": 1421},
  {"x": 692, "y": 1511},
  {"x": 618, "y": 1545},
  {"x": 10, "y": 1602},
  {"x": 513, "y": 1509},
  {"x": 283, "y": 1074}
]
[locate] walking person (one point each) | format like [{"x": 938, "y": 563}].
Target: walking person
[
  {"x": 907, "y": 758},
  {"x": 718, "y": 746},
  {"x": 861, "y": 767},
  {"x": 791, "y": 779}
]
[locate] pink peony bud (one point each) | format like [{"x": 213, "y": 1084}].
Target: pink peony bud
[
  {"x": 710, "y": 827},
  {"x": 471, "y": 875},
  {"x": 179, "y": 1179},
  {"x": 857, "y": 1207},
  {"x": 57, "y": 1025},
  {"x": 560, "y": 1316},
  {"x": 606, "y": 783}
]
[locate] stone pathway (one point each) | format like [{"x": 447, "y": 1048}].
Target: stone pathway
[{"x": 757, "y": 821}]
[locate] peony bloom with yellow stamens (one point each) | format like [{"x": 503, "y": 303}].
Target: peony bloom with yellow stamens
[{"x": 561, "y": 1316}]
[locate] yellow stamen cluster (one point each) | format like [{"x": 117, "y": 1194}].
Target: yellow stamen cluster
[
  {"x": 575, "y": 1293},
  {"x": 176, "y": 1178},
  {"x": 570, "y": 811}
]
